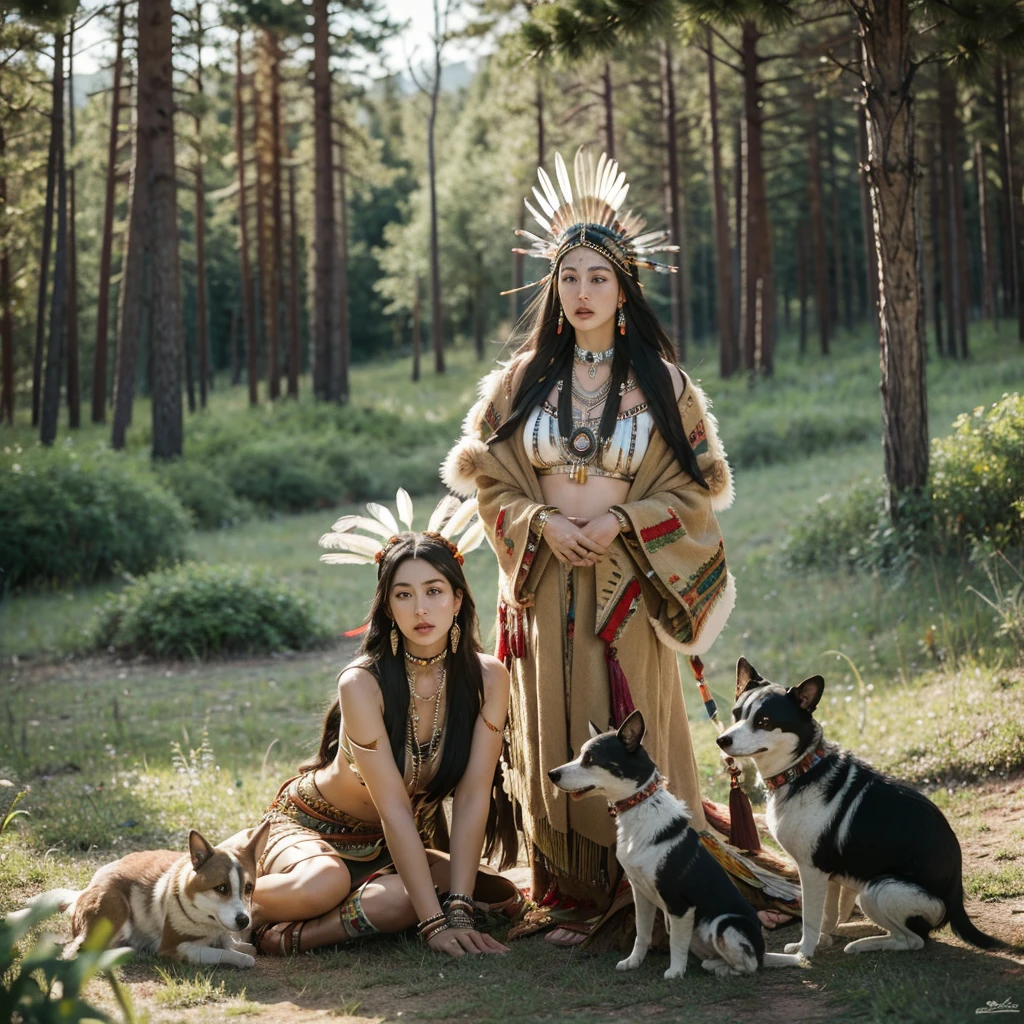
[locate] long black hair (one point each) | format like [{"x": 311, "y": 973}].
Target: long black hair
[
  {"x": 643, "y": 348},
  {"x": 464, "y": 684}
]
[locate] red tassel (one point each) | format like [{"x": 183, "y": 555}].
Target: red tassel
[
  {"x": 358, "y": 631},
  {"x": 503, "y": 654},
  {"x": 743, "y": 832},
  {"x": 618, "y": 688}
]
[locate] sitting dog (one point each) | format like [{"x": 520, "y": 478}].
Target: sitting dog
[
  {"x": 184, "y": 906},
  {"x": 852, "y": 831},
  {"x": 665, "y": 861}
]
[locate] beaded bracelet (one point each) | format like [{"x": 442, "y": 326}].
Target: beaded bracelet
[
  {"x": 442, "y": 927},
  {"x": 459, "y": 897},
  {"x": 624, "y": 526},
  {"x": 459, "y": 918},
  {"x": 435, "y": 919}
]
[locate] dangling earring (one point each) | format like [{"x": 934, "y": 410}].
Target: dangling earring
[
  {"x": 394, "y": 639},
  {"x": 456, "y": 635},
  {"x": 561, "y": 319},
  {"x": 622, "y": 319}
]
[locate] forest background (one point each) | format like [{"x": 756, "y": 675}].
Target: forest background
[{"x": 248, "y": 280}]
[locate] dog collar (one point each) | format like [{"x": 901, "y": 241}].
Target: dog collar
[
  {"x": 805, "y": 764},
  {"x": 652, "y": 787}
]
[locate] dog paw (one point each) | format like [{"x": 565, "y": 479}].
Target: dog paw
[
  {"x": 674, "y": 972},
  {"x": 824, "y": 941},
  {"x": 245, "y": 960},
  {"x": 245, "y": 947},
  {"x": 791, "y": 947},
  {"x": 629, "y": 964}
]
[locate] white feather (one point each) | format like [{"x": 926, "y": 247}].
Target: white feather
[
  {"x": 348, "y": 558},
  {"x": 404, "y": 504},
  {"x": 354, "y": 542},
  {"x": 460, "y": 519},
  {"x": 347, "y": 523},
  {"x": 563, "y": 177},
  {"x": 383, "y": 513},
  {"x": 542, "y": 221},
  {"x": 549, "y": 189},
  {"x": 442, "y": 510},
  {"x": 542, "y": 202},
  {"x": 472, "y": 538}
]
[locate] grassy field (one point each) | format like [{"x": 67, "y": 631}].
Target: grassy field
[{"x": 122, "y": 756}]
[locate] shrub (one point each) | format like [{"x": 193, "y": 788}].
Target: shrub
[
  {"x": 207, "y": 611},
  {"x": 70, "y": 518},
  {"x": 763, "y": 439},
  {"x": 977, "y": 476},
  {"x": 204, "y": 493},
  {"x": 280, "y": 474}
]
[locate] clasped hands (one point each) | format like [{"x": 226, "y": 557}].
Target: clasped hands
[{"x": 580, "y": 542}]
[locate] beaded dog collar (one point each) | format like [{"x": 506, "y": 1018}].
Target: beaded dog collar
[
  {"x": 805, "y": 764},
  {"x": 652, "y": 787}
]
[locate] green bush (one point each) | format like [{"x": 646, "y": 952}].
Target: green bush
[
  {"x": 66, "y": 517},
  {"x": 207, "y": 611},
  {"x": 763, "y": 439},
  {"x": 280, "y": 474},
  {"x": 206, "y": 494},
  {"x": 977, "y": 477},
  {"x": 975, "y": 496}
]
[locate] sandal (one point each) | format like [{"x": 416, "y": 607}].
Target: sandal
[
  {"x": 572, "y": 933},
  {"x": 280, "y": 938}
]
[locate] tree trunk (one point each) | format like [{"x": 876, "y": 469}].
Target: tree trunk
[
  {"x": 59, "y": 299},
  {"x": 323, "y": 201},
  {"x": 738, "y": 280},
  {"x": 814, "y": 198},
  {"x": 100, "y": 356},
  {"x": 417, "y": 330},
  {"x": 888, "y": 70},
  {"x": 202, "y": 336},
  {"x": 723, "y": 253},
  {"x": 248, "y": 304},
  {"x": 436, "y": 313},
  {"x": 1016, "y": 208},
  {"x": 673, "y": 201},
  {"x": 959, "y": 297},
  {"x": 759, "y": 292},
  {"x": 608, "y": 102},
  {"x": 989, "y": 306},
  {"x": 939, "y": 230},
  {"x": 867, "y": 223},
  {"x": 6, "y": 318},
  {"x": 801, "y": 283},
  {"x": 44, "y": 256},
  {"x": 840, "y": 281},
  {"x": 1011, "y": 290},
  {"x": 294, "y": 353},
  {"x": 236, "y": 356},
  {"x": 134, "y": 276},
  {"x": 344, "y": 342},
  {"x": 156, "y": 118},
  {"x": 74, "y": 384}
]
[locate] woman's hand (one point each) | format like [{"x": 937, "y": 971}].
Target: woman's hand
[
  {"x": 460, "y": 941},
  {"x": 570, "y": 544},
  {"x": 600, "y": 531}
]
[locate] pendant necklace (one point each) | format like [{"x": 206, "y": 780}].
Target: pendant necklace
[{"x": 584, "y": 355}]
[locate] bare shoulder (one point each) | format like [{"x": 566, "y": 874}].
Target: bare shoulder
[
  {"x": 495, "y": 675},
  {"x": 357, "y": 682},
  {"x": 677, "y": 378}
]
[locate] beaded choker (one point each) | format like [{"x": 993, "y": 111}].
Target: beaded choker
[
  {"x": 592, "y": 358},
  {"x": 426, "y": 662}
]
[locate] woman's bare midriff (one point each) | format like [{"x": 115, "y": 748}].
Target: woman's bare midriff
[
  {"x": 340, "y": 787},
  {"x": 583, "y": 501}
]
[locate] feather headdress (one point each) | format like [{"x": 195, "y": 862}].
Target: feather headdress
[
  {"x": 453, "y": 521},
  {"x": 589, "y": 216}
]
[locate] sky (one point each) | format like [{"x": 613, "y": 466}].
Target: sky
[{"x": 94, "y": 51}]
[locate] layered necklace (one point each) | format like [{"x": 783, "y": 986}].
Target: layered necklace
[
  {"x": 583, "y": 444},
  {"x": 421, "y": 754},
  {"x": 584, "y": 355}
]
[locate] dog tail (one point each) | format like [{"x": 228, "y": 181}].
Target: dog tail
[
  {"x": 962, "y": 925},
  {"x": 62, "y": 899}
]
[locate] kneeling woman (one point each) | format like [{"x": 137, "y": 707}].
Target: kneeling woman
[{"x": 420, "y": 716}]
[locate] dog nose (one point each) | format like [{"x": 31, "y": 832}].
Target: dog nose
[
  {"x": 241, "y": 921},
  {"x": 555, "y": 774},
  {"x": 724, "y": 741}
]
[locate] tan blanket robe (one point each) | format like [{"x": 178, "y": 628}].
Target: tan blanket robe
[{"x": 663, "y": 588}]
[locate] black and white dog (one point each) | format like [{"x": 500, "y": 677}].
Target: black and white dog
[
  {"x": 665, "y": 861},
  {"x": 852, "y": 831}
]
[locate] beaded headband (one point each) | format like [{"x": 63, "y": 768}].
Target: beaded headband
[
  {"x": 590, "y": 217},
  {"x": 450, "y": 518}
]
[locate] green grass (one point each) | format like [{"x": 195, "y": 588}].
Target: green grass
[{"x": 94, "y": 738}]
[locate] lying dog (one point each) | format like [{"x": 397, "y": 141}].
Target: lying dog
[
  {"x": 184, "y": 906},
  {"x": 852, "y": 831},
  {"x": 665, "y": 861}
]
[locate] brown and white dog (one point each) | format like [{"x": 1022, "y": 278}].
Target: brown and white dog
[{"x": 183, "y": 906}]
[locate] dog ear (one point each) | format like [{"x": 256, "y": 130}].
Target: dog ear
[
  {"x": 258, "y": 841},
  {"x": 199, "y": 849},
  {"x": 747, "y": 677},
  {"x": 594, "y": 731},
  {"x": 632, "y": 730},
  {"x": 808, "y": 693}
]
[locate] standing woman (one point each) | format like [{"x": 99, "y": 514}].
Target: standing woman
[
  {"x": 419, "y": 716},
  {"x": 598, "y": 472}
]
